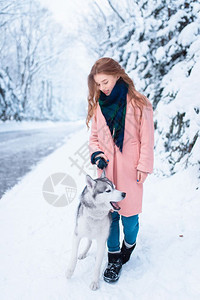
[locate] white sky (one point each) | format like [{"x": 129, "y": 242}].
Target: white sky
[{"x": 65, "y": 11}]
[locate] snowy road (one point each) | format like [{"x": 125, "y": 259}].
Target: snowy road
[{"x": 21, "y": 150}]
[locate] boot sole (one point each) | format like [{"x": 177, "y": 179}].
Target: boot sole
[{"x": 110, "y": 280}]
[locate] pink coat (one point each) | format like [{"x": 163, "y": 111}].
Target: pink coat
[{"x": 137, "y": 154}]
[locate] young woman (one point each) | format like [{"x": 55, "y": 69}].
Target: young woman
[{"x": 122, "y": 141}]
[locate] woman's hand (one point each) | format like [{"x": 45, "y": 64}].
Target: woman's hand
[
  {"x": 103, "y": 156},
  {"x": 101, "y": 161},
  {"x": 141, "y": 176}
]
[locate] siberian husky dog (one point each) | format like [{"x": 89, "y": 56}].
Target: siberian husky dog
[{"x": 93, "y": 221}]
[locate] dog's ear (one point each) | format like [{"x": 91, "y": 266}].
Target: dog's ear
[
  {"x": 90, "y": 182},
  {"x": 103, "y": 174}
]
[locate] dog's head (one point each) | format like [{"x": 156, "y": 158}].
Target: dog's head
[{"x": 104, "y": 193}]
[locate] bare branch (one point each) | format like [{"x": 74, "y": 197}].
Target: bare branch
[
  {"x": 101, "y": 11},
  {"x": 120, "y": 17}
]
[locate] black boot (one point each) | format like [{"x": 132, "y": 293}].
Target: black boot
[
  {"x": 112, "y": 272},
  {"x": 126, "y": 252}
]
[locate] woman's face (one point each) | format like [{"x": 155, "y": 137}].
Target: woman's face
[{"x": 105, "y": 82}]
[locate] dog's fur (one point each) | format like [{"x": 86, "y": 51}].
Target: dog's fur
[{"x": 93, "y": 221}]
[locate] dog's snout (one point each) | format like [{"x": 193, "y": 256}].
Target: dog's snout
[{"x": 123, "y": 194}]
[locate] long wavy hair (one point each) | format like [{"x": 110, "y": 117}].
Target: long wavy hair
[{"x": 109, "y": 66}]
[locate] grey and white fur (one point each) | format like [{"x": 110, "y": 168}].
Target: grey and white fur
[{"x": 93, "y": 221}]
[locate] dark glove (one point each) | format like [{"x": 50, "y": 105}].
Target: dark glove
[{"x": 101, "y": 161}]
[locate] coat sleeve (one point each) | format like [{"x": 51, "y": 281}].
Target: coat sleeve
[
  {"x": 93, "y": 139},
  {"x": 146, "y": 158}
]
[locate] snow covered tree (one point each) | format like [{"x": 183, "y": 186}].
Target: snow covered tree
[
  {"x": 158, "y": 43},
  {"x": 32, "y": 61}
]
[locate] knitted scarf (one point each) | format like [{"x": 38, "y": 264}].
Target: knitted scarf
[{"x": 113, "y": 108}]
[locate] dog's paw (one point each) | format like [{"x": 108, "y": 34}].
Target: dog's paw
[
  {"x": 69, "y": 273},
  {"x": 82, "y": 256},
  {"x": 94, "y": 285}
]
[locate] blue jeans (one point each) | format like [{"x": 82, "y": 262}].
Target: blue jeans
[{"x": 130, "y": 228}]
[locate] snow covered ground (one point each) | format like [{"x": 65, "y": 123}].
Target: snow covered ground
[
  {"x": 36, "y": 238},
  {"x": 26, "y": 125}
]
